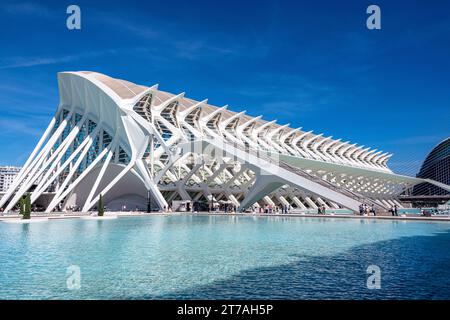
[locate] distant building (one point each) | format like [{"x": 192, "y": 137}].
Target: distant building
[
  {"x": 435, "y": 167},
  {"x": 7, "y": 175}
]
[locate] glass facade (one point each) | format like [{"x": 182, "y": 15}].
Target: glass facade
[{"x": 436, "y": 167}]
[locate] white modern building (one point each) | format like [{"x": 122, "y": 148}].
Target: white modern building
[
  {"x": 131, "y": 143},
  {"x": 7, "y": 175}
]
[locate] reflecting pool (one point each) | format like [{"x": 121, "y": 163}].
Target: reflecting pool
[{"x": 224, "y": 257}]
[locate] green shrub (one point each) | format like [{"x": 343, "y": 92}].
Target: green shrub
[{"x": 27, "y": 207}]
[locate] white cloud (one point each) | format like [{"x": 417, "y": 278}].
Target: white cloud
[
  {"x": 24, "y": 126},
  {"x": 28, "y": 8},
  {"x": 22, "y": 62}
]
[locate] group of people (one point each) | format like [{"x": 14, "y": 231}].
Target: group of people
[
  {"x": 73, "y": 208},
  {"x": 394, "y": 210},
  {"x": 284, "y": 209},
  {"x": 225, "y": 207},
  {"x": 365, "y": 209},
  {"x": 321, "y": 209}
]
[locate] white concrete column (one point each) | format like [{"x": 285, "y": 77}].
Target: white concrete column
[{"x": 310, "y": 202}]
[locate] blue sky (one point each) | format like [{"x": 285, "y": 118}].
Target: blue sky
[{"x": 312, "y": 64}]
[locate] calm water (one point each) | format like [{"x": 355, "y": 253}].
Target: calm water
[{"x": 220, "y": 257}]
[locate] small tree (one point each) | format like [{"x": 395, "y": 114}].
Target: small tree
[
  {"x": 100, "y": 206},
  {"x": 27, "y": 207}
]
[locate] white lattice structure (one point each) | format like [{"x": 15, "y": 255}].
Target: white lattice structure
[{"x": 125, "y": 141}]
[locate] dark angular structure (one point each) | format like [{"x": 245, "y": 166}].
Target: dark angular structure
[{"x": 436, "y": 167}]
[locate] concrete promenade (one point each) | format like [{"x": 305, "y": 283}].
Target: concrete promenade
[{"x": 77, "y": 215}]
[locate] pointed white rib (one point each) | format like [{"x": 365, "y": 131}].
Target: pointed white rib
[
  {"x": 226, "y": 122},
  {"x": 182, "y": 114},
  {"x": 164, "y": 104},
  {"x": 87, "y": 204},
  {"x": 208, "y": 117}
]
